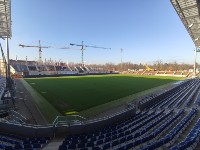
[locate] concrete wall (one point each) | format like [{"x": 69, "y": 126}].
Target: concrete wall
[{"x": 63, "y": 130}]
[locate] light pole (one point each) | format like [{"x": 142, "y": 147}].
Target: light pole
[
  {"x": 121, "y": 58},
  {"x": 195, "y": 59},
  {"x": 195, "y": 53}
]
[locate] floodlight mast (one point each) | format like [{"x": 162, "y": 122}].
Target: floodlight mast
[
  {"x": 121, "y": 59},
  {"x": 82, "y": 49},
  {"x": 197, "y": 49},
  {"x": 195, "y": 59}
]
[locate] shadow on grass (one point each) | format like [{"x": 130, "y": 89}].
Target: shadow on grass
[
  {"x": 91, "y": 95},
  {"x": 48, "y": 111}
]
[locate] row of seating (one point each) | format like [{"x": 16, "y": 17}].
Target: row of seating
[
  {"x": 189, "y": 92},
  {"x": 191, "y": 139},
  {"x": 176, "y": 96},
  {"x": 197, "y": 101},
  {"x": 106, "y": 135},
  {"x": 190, "y": 98},
  {"x": 144, "y": 131},
  {"x": 147, "y": 98},
  {"x": 147, "y": 130},
  {"x": 170, "y": 95},
  {"x": 135, "y": 134},
  {"x": 181, "y": 96},
  {"x": 12, "y": 142},
  {"x": 175, "y": 132}
]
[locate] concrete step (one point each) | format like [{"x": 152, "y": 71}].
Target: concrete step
[{"x": 54, "y": 144}]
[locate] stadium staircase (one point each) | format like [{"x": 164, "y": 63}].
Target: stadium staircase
[
  {"x": 143, "y": 72},
  {"x": 54, "y": 144}
]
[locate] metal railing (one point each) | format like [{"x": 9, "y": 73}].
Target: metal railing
[
  {"x": 109, "y": 116},
  {"x": 69, "y": 120}
]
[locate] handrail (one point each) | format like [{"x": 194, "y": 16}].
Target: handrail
[
  {"x": 77, "y": 119},
  {"x": 69, "y": 119},
  {"x": 18, "y": 115},
  {"x": 109, "y": 116}
]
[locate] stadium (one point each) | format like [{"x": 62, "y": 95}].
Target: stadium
[{"x": 54, "y": 105}]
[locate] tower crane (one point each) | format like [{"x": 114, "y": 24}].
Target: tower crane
[
  {"x": 82, "y": 49},
  {"x": 37, "y": 46}
]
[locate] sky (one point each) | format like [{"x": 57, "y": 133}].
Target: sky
[{"x": 146, "y": 30}]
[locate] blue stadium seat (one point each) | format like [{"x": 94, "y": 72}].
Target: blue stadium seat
[
  {"x": 90, "y": 144},
  {"x": 96, "y": 148},
  {"x": 108, "y": 139},
  {"x": 106, "y": 146},
  {"x": 18, "y": 146},
  {"x": 62, "y": 147},
  {"x": 9, "y": 148},
  {"x": 81, "y": 145},
  {"x": 37, "y": 145},
  {"x": 114, "y": 137},
  {"x": 115, "y": 143},
  {"x": 129, "y": 146},
  {"x": 84, "y": 149},
  {"x": 122, "y": 140},
  {"x": 28, "y": 146},
  {"x": 99, "y": 142},
  {"x": 72, "y": 146}
]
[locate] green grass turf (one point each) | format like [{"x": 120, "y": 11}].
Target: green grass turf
[{"x": 78, "y": 93}]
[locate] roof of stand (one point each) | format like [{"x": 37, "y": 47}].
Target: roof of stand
[
  {"x": 5, "y": 19},
  {"x": 188, "y": 11}
]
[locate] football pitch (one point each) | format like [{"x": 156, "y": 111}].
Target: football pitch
[{"x": 71, "y": 94}]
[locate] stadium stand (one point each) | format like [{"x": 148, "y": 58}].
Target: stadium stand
[
  {"x": 157, "y": 125},
  {"x": 16, "y": 142},
  {"x": 32, "y": 68},
  {"x": 149, "y": 72},
  {"x": 158, "y": 121},
  {"x": 22, "y": 68},
  {"x": 191, "y": 139},
  {"x": 79, "y": 69}
]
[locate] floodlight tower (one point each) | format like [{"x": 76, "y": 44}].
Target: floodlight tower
[
  {"x": 197, "y": 49},
  {"x": 195, "y": 59},
  {"x": 121, "y": 58}
]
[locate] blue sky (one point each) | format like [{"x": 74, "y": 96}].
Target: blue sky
[{"x": 147, "y": 30}]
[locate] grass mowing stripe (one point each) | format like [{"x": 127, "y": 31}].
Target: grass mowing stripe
[
  {"x": 117, "y": 103},
  {"x": 78, "y": 93},
  {"x": 45, "y": 107}
]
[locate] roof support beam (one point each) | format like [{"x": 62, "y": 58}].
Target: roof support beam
[
  {"x": 5, "y": 18},
  {"x": 191, "y": 17},
  {"x": 188, "y": 12},
  {"x": 189, "y": 7}
]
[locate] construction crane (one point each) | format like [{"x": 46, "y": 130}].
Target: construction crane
[
  {"x": 40, "y": 50},
  {"x": 148, "y": 68},
  {"x": 82, "y": 49}
]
